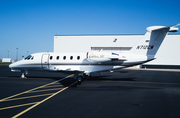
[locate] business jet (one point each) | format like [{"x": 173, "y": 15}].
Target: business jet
[{"x": 84, "y": 64}]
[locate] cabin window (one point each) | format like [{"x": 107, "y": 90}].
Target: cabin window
[
  {"x": 64, "y": 57},
  {"x": 57, "y": 57},
  {"x": 71, "y": 57},
  {"x": 78, "y": 57},
  {"x": 51, "y": 57}
]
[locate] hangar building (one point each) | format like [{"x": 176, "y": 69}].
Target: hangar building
[{"x": 168, "y": 55}]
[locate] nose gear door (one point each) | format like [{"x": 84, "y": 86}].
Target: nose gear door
[{"x": 45, "y": 62}]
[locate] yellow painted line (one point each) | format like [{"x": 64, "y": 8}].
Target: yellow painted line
[
  {"x": 34, "y": 88},
  {"x": 26, "y": 91},
  {"x": 53, "y": 86},
  {"x": 69, "y": 76},
  {"x": 42, "y": 101},
  {"x": 18, "y": 106},
  {"x": 56, "y": 83},
  {"x": 45, "y": 90},
  {"x": 28, "y": 97}
]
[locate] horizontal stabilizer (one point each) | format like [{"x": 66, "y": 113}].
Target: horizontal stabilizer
[{"x": 171, "y": 28}]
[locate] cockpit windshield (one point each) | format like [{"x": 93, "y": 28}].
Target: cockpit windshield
[{"x": 29, "y": 57}]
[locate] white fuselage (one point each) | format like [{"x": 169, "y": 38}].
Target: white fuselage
[{"x": 80, "y": 62}]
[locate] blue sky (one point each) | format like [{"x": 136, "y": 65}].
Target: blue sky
[{"x": 30, "y": 25}]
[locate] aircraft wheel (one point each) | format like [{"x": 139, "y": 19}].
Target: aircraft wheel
[
  {"x": 24, "y": 73},
  {"x": 79, "y": 78}
]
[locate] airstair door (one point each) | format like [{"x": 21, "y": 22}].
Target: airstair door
[{"x": 45, "y": 62}]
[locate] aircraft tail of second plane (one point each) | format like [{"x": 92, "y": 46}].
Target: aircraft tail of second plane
[{"x": 152, "y": 40}]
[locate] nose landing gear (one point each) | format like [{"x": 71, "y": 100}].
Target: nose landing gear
[{"x": 24, "y": 73}]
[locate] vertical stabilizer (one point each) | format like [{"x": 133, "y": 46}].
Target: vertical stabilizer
[{"x": 152, "y": 40}]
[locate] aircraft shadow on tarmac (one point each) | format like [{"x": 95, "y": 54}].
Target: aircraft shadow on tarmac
[
  {"x": 97, "y": 87},
  {"x": 70, "y": 80},
  {"x": 97, "y": 77},
  {"x": 112, "y": 78}
]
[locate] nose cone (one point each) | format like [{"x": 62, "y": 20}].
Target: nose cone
[{"x": 13, "y": 65}]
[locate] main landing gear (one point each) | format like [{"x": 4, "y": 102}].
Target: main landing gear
[{"x": 80, "y": 77}]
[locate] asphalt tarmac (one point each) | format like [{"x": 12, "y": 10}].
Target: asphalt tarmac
[{"x": 126, "y": 93}]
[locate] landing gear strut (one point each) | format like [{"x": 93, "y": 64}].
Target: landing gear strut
[
  {"x": 24, "y": 73},
  {"x": 87, "y": 76},
  {"x": 80, "y": 76}
]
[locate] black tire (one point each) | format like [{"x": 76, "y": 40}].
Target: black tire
[{"x": 79, "y": 78}]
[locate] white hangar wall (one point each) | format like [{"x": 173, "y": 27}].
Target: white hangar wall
[
  {"x": 86, "y": 43},
  {"x": 168, "y": 53}
]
